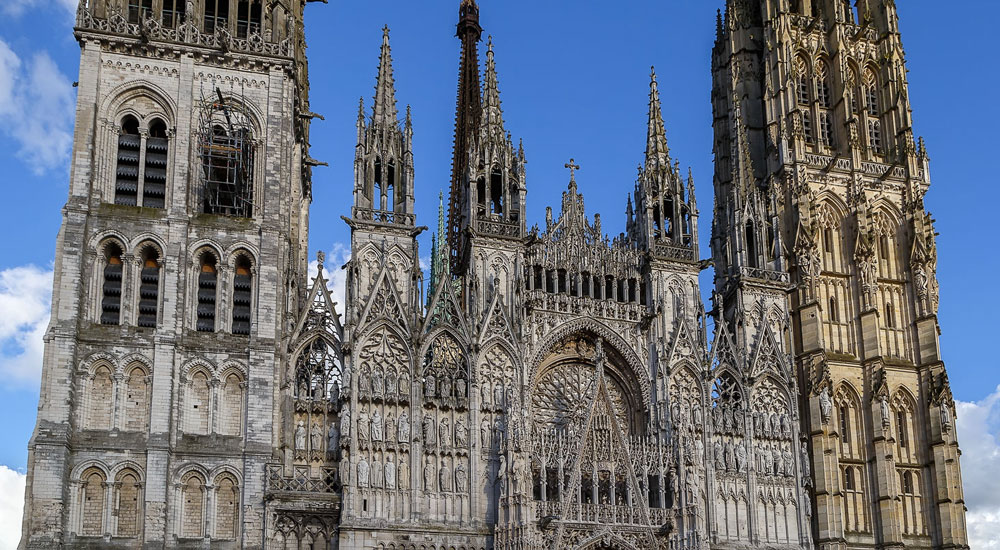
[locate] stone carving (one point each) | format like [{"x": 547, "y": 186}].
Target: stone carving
[
  {"x": 404, "y": 427},
  {"x": 300, "y": 436},
  {"x": 404, "y": 474},
  {"x": 363, "y": 472},
  {"x": 377, "y": 426}
]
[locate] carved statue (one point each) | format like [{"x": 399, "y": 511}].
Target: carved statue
[
  {"x": 446, "y": 387},
  {"x": 766, "y": 463},
  {"x": 316, "y": 437},
  {"x": 444, "y": 477},
  {"x": 430, "y": 389},
  {"x": 883, "y": 403},
  {"x": 719, "y": 460},
  {"x": 391, "y": 388},
  {"x": 461, "y": 478},
  {"x": 945, "y": 412},
  {"x": 377, "y": 427},
  {"x": 345, "y": 423},
  {"x": 460, "y": 388},
  {"x": 484, "y": 394},
  {"x": 404, "y": 474},
  {"x": 777, "y": 462},
  {"x": 789, "y": 460},
  {"x": 404, "y": 428},
  {"x": 428, "y": 431},
  {"x": 365, "y": 382},
  {"x": 363, "y": 431},
  {"x": 378, "y": 384},
  {"x": 332, "y": 438},
  {"x": 444, "y": 432},
  {"x": 484, "y": 434},
  {"x": 461, "y": 434},
  {"x": 345, "y": 468},
  {"x": 377, "y": 472},
  {"x": 730, "y": 459},
  {"x": 804, "y": 452},
  {"x": 363, "y": 471},
  {"x": 825, "y": 404},
  {"x": 390, "y": 474},
  {"x": 429, "y": 475},
  {"x": 502, "y": 468},
  {"x": 498, "y": 395},
  {"x": 300, "y": 436},
  {"x": 404, "y": 383},
  {"x": 390, "y": 428},
  {"x": 741, "y": 458}
]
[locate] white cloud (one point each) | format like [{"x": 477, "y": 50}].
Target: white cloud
[
  {"x": 337, "y": 256},
  {"x": 25, "y": 297},
  {"x": 37, "y": 106},
  {"x": 978, "y": 430},
  {"x": 14, "y": 8},
  {"x": 11, "y": 507}
]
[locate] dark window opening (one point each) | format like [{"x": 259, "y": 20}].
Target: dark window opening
[
  {"x": 871, "y": 100},
  {"x": 586, "y": 489},
  {"x": 207, "y": 284},
  {"x": 241, "y": 296},
  {"x": 631, "y": 291},
  {"x": 657, "y": 228},
  {"x": 751, "y": 245},
  {"x": 481, "y": 197},
  {"x": 111, "y": 301},
  {"x": 514, "y": 207},
  {"x": 654, "y": 491},
  {"x": 609, "y": 287},
  {"x": 901, "y": 427},
  {"x": 561, "y": 278},
  {"x": 139, "y": 10},
  {"x": 668, "y": 216},
  {"x": 537, "y": 278},
  {"x": 828, "y": 240},
  {"x": 890, "y": 320},
  {"x": 834, "y": 314},
  {"x": 149, "y": 288},
  {"x": 496, "y": 193},
  {"x": 216, "y": 15},
  {"x": 803, "y": 90},
  {"x": 127, "y": 166},
  {"x": 154, "y": 178},
  {"x": 390, "y": 188},
  {"x": 585, "y": 284},
  {"x": 173, "y": 12},
  {"x": 807, "y": 125},
  {"x": 826, "y": 130},
  {"x": 772, "y": 244},
  {"x": 598, "y": 287},
  {"x": 849, "y": 479},
  {"x": 907, "y": 483},
  {"x": 247, "y": 18},
  {"x": 377, "y": 185},
  {"x": 845, "y": 433},
  {"x": 536, "y": 484},
  {"x": 604, "y": 487},
  {"x": 552, "y": 484}
]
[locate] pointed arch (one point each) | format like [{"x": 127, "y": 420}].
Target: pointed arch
[{"x": 445, "y": 365}]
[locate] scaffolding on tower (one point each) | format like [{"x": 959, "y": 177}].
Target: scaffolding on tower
[{"x": 226, "y": 149}]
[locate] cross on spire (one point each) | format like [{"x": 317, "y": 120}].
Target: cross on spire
[{"x": 573, "y": 167}]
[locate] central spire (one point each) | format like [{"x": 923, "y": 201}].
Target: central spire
[
  {"x": 657, "y": 152},
  {"x": 467, "y": 113}
]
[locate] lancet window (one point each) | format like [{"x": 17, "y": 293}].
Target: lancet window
[
  {"x": 149, "y": 287},
  {"x": 100, "y": 401},
  {"x": 193, "y": 496},
  {"x": 92, "y": 501},
  {"x": 855, "y": 505},
  {"x": 207, "y": 291},
  {"x": 173, "y": 12},
  {"x": 227, "y": 498},
  {"x": 111, "y": 288},
  {"x": 139, "y": 10},
  {"x": 136, "y": 400},
  {"x": 247, "y": 18},
  {"x": 242, "y": 295}
]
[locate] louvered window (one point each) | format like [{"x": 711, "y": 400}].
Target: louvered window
[
  {"x": 207, "y": 283},
  {"x": 241, "y": 297},
  {"x": 875, "y": 135},
  {"x": 154, "y": 177},
  {"x": 111, "y": 290},
  {"x": 826, "y": 129},
  {"x": 807, "y": 125},
  {"x": 127, "y": 167},
  {"x": 149, "y": 290}
]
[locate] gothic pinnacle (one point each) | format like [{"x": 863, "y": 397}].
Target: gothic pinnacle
[
  {"x": 492, "y": 113},
  {"x": 657, "y": 151},
  {"x": 385, "y": 89}
]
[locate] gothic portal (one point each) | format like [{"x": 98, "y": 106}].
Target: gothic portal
[{"x": 549, "y": 386}]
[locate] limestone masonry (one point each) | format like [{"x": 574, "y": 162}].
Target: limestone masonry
[{"x": 548, "y": 387}]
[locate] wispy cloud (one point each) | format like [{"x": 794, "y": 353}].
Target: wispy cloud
[
  {"x": 25, "y": 297},
  {"x": 15, "y": 8},
  {"x": 978, "y": 431},
  {"x": 11, "y": 507},
  {"x": 36, "y": 108}
]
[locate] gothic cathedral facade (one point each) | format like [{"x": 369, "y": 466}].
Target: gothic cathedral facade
[{"x": 545, "y": 386}]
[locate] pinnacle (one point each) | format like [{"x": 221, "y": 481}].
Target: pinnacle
[
  {"x": 492, "y": 113},
  {"x": 385, "y": 90},
  {"x": 657, "y": 150}
]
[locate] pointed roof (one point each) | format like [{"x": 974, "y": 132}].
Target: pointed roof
[
  {"x": 657, "y": 152},
  {"x": 384, "y": 109},
  {"x": 492, "y": 113}
]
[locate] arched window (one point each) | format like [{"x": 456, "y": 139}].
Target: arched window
[
  {"x": 390, "y": 188},
  {"x": 136, "y": 400},
  {"x": 231, "y": 412},
  {"x": 910, "y": 503},
  {"x": 845, "y": 424},
  {"x": 111, "y": 290},
  {"x": 890, "y": 315},
  {"x": 227, "y": 497},
  {"x": 901, "y": 432},
  {"x": 801, "y": 81},
  {"x": 875, "y": 135},
  {"x": 149, "y": 288},
  {"x": 227, "y": 151},
  {"x": 377, "y": 194},
  {"x": 198, "y": 403},
  {"x": 92, "y": 499},
  {"x": 173, "y": 12},
  {"x": 834, "y": 313},
  {"x": 849, "y": 479},
  {"x": 807, "y": 125},
  {"x": 99, "y": 403},
  {"x": 751, "y": 244},
  {"x": 871, "y": 93},
  {"x": 481, "y": 197},
  {"x": 126, "y": 501},
  {"x": 192, "y": 506},
  {"x": 496, "y": 193},
  {"x": 826, "y": 135},
  {"x": 154, "y": 174},
  {"x": 515, "y": 202},
  {"x": 207, "y": 289},
  {"x": 127, "y": 163},
  {"x": 242, "y": 289},
  {"x": 216, "y": 14},
  {"x": 823, "y": 95},
  {"x": 247, "y": 18},
  {"x": 139, "y": 10}
]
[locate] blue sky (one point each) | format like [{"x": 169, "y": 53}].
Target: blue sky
[{"x": 574, "y": 80}]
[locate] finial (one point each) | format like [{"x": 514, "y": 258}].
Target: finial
[
  {"x": 718, "y": 24},
  {"x": 361, "y": 108},
  {"x": 320, "y": 259},
  {"x": 573, "y": 167}
]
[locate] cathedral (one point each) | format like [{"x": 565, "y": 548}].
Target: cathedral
[{"x": 547, "y": 386}]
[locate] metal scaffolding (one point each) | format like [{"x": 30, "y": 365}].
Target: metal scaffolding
[{"x": 226, "y": 147}]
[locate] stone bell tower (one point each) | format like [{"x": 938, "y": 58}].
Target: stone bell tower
[
  {"x": 820, "y": 189},
  {"x": 181, "y": 255}
]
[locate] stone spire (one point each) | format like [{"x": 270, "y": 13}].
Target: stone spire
[
  {"x": 385, "y": 88},
  {"x": 492, "y": 113},
  {"x": 657, "y": 151},
  {"x": 467, "y": 113},
  {"x": 439, "y": 251}
]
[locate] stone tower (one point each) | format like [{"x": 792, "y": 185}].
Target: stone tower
[
  {"x": 181, "y": 255},
  {"x": 825, "y": 258}
]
